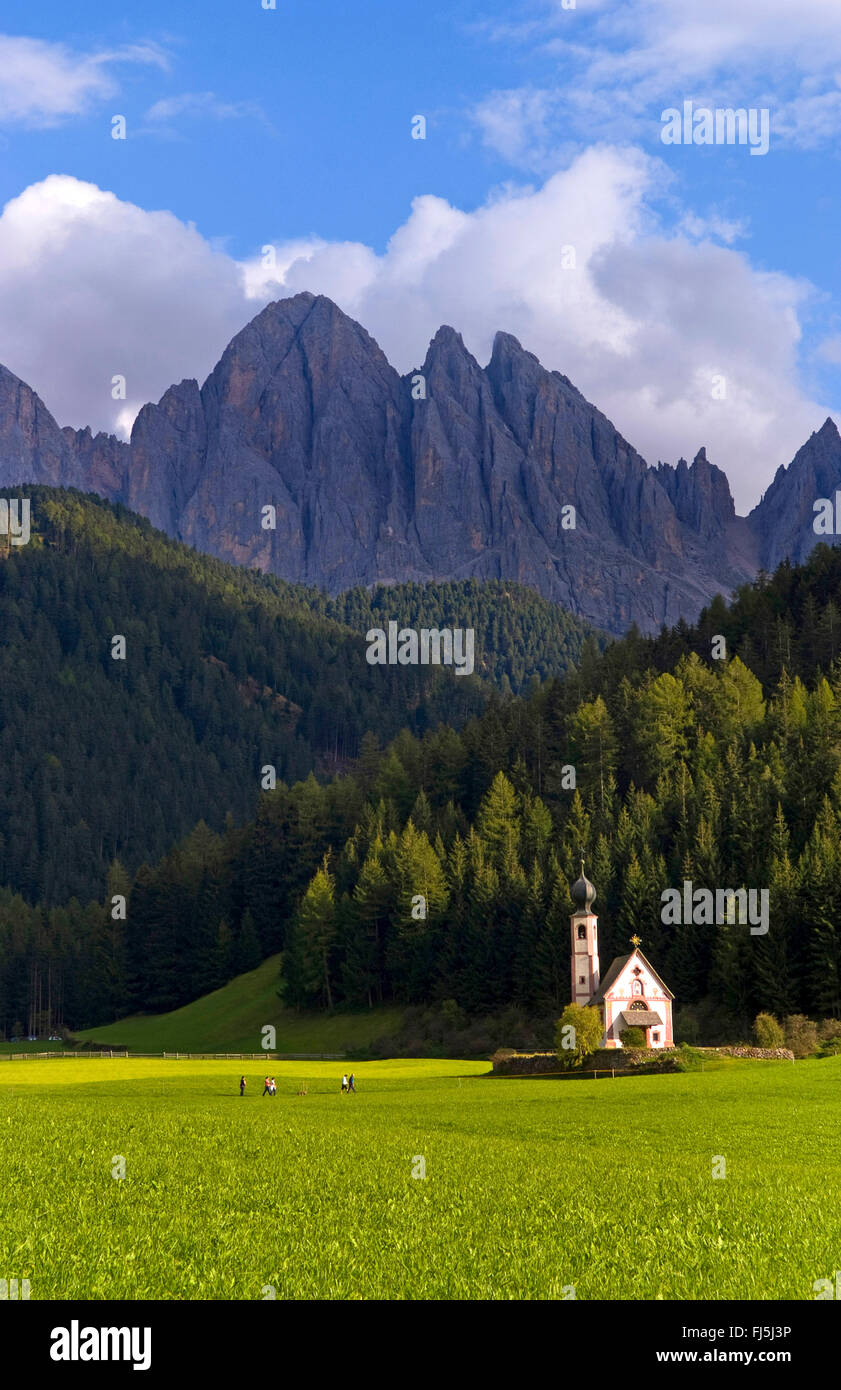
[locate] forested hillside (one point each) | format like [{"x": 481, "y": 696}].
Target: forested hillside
[
  {"x": 226, "y": 671},
  {"x": 686, "y": 766},
  {"x": 519, "y": 635}
]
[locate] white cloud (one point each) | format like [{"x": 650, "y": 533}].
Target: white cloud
[
  {"x": 724, "y": 229},
  {"x": 701, "y": 36},
  {"x": 518, "y": 125},
  {"x": 264, "y": 275},
  {"x": 91, "y": 286},
  {"x": 621, "y": 64},
  {"x": 194, "y": 104},
  {"x": 346, "y": 269},
  {"x": 43, "y": 83}
]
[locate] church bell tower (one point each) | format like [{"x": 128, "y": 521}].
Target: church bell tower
[{"x": 584, "y": 925}]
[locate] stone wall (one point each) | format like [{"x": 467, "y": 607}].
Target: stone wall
[
  {"x": 623, "y": 1059},
  {"x": 626, "y": 1059},
  {"x": 638, "y": 1059},
  {"x": 768, "y": 1054},
  {"x": 524, "y": 1063}
]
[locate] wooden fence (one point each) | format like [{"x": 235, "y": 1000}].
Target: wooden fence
[
  {"x": 187, "y": 1056},
  {"x": 564, "y": 1075}
]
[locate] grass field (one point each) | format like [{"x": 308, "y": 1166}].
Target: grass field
[
  {"x": 531, "y": 1186},
  {"x": 231, "y": 1020}
]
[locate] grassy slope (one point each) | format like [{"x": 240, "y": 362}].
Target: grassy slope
[
  {"x": 530, "y": 1187},
  {"x": 231, "y": 1020}
]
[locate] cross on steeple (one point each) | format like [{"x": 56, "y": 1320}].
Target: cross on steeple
[{"x": 636, "y": 940}]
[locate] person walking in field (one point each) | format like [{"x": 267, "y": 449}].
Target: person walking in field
[
  {"x": 272, "y": 1087},
  {"x": 266, "y": 1087},
  {"x": 242, "y": 1085},
  {"x": 344, "y": 1084},
  {"x": 351, "y": 1084}
]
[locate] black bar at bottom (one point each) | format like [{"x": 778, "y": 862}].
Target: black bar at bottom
[{"x": 87, "y": 1339}]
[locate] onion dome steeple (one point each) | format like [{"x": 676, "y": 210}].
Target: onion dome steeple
[{"x": 583, "y": 893}]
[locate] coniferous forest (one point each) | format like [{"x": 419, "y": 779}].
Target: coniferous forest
[
  {"x": 226, "y": 672},
  {"x": 692, "y": 758}
]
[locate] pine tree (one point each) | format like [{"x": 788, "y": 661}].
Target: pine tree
[
  {"x": 313, "y": 939},
  {"x": 498, "y": 821},
  {"x": 373, "y": 902},
  {"x": 421, "y": 895}
]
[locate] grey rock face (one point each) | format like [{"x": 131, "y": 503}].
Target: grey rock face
[
  {"x": 783, "y": 520},
  {"x": 101, "y": 463},
  {"x": 32, "y": 447},
  {"x": 370, "y": 484},
  {"x": 304, "y": 413},
  {"x": 700, "y": 495}
]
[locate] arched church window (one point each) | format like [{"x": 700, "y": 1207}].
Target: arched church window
[
  {"x": 638, "y": 1004},
  {"x": 636, "y": 987}
]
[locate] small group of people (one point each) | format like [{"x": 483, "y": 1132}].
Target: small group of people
[{"x": 269, "y": 1086}]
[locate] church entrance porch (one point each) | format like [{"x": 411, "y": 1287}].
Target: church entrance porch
[{"x": 648, "y": 1020}]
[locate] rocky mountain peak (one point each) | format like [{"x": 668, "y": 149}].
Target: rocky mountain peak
[
  {"x": 828, "y": 430},
  {"x": 700, "y": 494},
  {"x": 373, "y": 481},
  {"x": 783, "y": 520}
]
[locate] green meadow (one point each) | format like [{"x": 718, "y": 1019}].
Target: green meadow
[{"x": 532, "y": 1188}]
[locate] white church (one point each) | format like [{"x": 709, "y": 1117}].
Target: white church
[{"x": 631, "y": 995}]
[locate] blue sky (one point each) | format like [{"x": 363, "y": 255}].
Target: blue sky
[
  {"x": 291, "y": 128},
  {"x": 325, "y": 95}
]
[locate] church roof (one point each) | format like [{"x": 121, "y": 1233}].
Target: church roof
[
  {"x": 612, "y": 975},
  {"x": 616, "y": 968}
]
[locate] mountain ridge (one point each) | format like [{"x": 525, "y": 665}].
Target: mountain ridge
[{"x": 377, "y": 478}]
